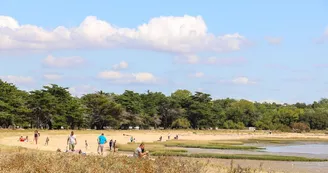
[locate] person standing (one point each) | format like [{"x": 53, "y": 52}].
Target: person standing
[
  {"x": 101, "y": 143},
  {"x": 36, "y": 136},
  {"x": 86, "y": 144},
  {"x": 114, "y": 146},
  {"x": 110, "y": 144},
  {"x": 71, "y": 141},
  {"x": 47, "y": 141}
]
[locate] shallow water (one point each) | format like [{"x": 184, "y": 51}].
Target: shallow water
[
  {"x": 318, "y": 149},
  {"x": 313, "y": 150}
]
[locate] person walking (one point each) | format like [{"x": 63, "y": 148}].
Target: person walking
[{"x": 101, "y": 143}]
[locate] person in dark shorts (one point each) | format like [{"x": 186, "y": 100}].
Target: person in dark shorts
[
  {"x": 110, "y": 144},
  {"x": 36, "y": 136}
]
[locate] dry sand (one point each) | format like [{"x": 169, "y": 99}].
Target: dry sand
[{"x": 58, "y": 139}]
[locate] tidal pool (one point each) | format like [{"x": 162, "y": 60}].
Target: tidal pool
[{"x": 313, "y": 150}]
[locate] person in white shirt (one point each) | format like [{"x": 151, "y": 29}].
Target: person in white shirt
[
  {"x": 71, "y": 141},
  {"x": 138, "y": 152}
]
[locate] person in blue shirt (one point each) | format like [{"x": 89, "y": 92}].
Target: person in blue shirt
[{"x": 101, "y": 143}]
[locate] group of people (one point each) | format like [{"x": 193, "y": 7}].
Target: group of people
[{"x": 101, "y": 140}]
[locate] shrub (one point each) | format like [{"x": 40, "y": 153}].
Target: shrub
[
  {"x": 300, "y": 127},
  {"x": 181, "y": 123}
]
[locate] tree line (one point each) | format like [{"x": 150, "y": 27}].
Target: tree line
[{"x": 54, "y": 107}]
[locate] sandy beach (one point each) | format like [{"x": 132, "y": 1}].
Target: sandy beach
[{"x": 58, "y": 139}]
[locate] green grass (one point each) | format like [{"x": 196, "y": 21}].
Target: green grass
[
  {"x": 149, "y": 147},
  {"x": 241, "y": 156},
  {"x": 214, "y": 146},
  {"x": 283, "y": 140}
]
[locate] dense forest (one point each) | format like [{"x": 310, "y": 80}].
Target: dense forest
[{"x": 54, "y": 107}]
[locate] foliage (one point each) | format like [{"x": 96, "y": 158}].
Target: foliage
[{"x": 53, "y": 107}]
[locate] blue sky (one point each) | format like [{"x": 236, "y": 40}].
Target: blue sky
[{"x": 241, "y": 49}]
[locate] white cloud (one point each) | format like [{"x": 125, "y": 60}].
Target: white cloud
[
  {"x": 197, "y": 75},
  {"x": 144, "y": 77},
  {"x": 182, "y": 34},
  {"x": 52, "y": 77},
  {"x": 125, "y": 78},
  {"x": 187, "y": 59},
  {"x": 63, "y": 62},
  {"x": 239, "y": 81},
  {"x": 242, "y": 80},
  {"x": 121, "y": 65},
  {"x": 17, "y": 79},
  {"x": 274, "y": 40},
  {"x": 81, "y": 90},
  {"x": 194, "y": 59},
  {"x": 110, "y": 75}
]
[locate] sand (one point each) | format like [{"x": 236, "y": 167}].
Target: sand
[{"x": 58, "y": 139}]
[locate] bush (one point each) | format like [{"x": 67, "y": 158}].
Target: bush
[
  {"x": 181, "y": 123},
  {"x": 282, "y": 127},
  {"x": 229, "y": 125},
  {"x": 300, "y": 127},
  {"x": 240, "y": 126}
]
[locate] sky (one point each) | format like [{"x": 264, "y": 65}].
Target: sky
[{"x": 254, "y": 50}]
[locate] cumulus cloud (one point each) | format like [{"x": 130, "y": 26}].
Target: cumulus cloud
[
  {"x": 121, "y": 65},
  {"x": 126, "y": 78},
  {"x": 52, "y": 77},
  {"x": 274, "y": 40},
  {"x": 166, "y": 33},
  {"x": 17, "y": 79},
  {"x": 239, "y": 81},
  {"x": 197, "y": 75},
  {"x": 80, "y": 90},
  {"x": 194, "y": 59},
  {"x": 62, "y": 62}
]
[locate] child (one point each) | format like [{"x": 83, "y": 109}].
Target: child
[
  {"x": 110, "y": 144},
  {"x": 47, "y": 141},
  {"x": 86, "y": 145},
  {"x": 114, "y": 146}
]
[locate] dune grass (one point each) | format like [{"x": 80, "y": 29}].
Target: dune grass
[
  {"x": 19, "y": 159},
  {"x": 149, "y": 147},
  {"x": 241, "y": 156},
  {"x": 215, "y": 146}
]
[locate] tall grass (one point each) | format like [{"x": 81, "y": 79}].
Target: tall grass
[
  {"x": 241, "y": 156},
  {"x": 52, "y": 162}
]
